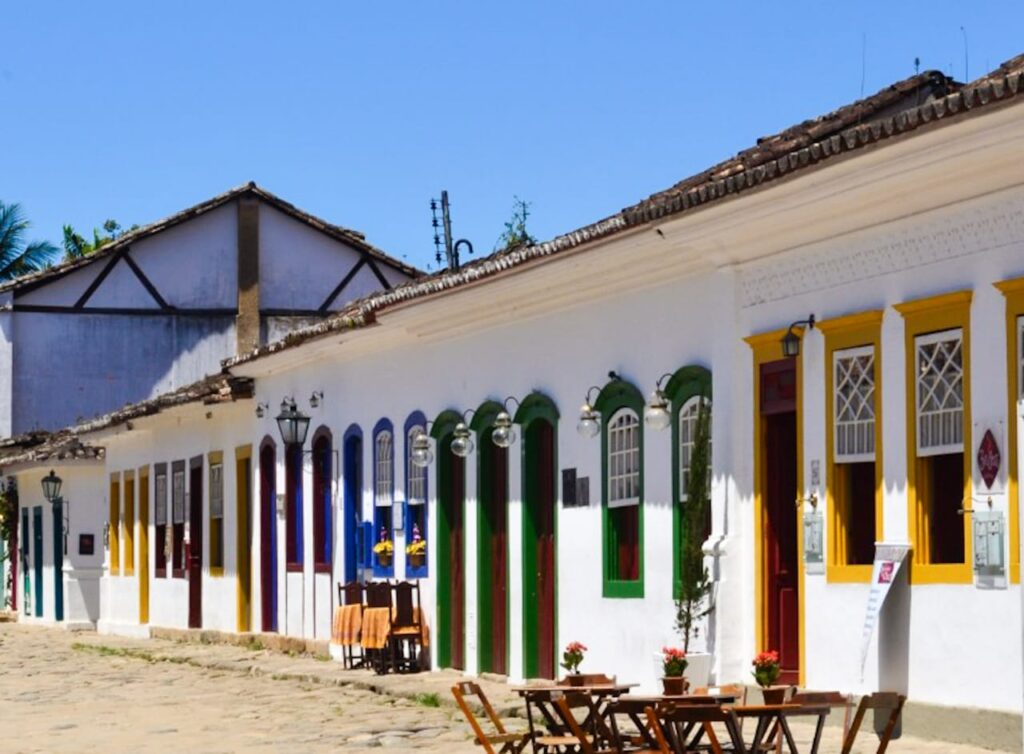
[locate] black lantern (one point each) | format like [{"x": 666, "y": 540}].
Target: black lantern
[
  {"x": 791, "y": 341},
  {"x": 292, "y": 423},
  {"x": 51, "y": 487}
]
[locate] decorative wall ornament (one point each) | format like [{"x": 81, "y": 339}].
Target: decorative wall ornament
[{"x": 926, "y": 239}]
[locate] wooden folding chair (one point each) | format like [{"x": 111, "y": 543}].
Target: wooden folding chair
[
  {"x": 637, "y": 738},
  {"x": 833, "y": 699},
  {"x": 540, "y": 704},
  {"x": 508, "y": 743},
  {"x": 352, "y": 594},
  {"x": 406, "y": 629},
  {"x": 600, "y": 740},
  {"x": 674, "y": 726},
  {"x": 881, "y": 700}
]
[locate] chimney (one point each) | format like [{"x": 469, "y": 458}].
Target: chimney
[{"x": 247, "y": 322}]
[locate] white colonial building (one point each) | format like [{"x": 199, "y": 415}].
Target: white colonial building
[{"x": 886, "y": 239}]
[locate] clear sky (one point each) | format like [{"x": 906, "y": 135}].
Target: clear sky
[{"x": 361, "y": 112}]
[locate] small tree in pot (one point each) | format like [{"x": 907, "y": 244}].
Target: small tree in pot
[{"x": 695, "y": 603}]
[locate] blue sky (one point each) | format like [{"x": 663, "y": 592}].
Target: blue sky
[{"x": 361, "y": 112}]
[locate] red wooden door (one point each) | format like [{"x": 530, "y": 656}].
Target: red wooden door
[
  {"x": 268, "y": 523},
  {"x": 545, "y": 438},
  {"x": 498, "y": 545},
  {"x": 456, "y": 549},
  {"x": 781, "y": 515},
  {"x": 195, "y": 553}
]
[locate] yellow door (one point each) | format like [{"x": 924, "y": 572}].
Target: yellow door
[
  {"x": 243, "y": 536},
  {"x": 143, "y": 540}
]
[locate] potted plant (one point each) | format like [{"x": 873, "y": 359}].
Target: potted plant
[
  {"x": 417, "y": 548},
  {"x": 571, "y": 659},
  {"x": 673, "y": 665},
  {"x": 695, "y": 594},
  {"x": 384, "y": 548},
  {"x": 766, "y": 673}
]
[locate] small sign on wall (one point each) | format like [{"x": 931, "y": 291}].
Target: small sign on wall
[
  {"x": 575, "y": 490},
  {"x": 814, "y": 531},
  {"x": 989, "y": 458},
  {"x": 86, "y": 544}
]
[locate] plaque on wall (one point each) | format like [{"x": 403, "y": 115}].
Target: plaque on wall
[
  {"x": 569, "y": 488},
  {"x": 86, "y": 544}
]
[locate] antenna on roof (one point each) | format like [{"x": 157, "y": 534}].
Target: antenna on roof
[
  {"x": 917, "y": 66},
  {"x": 863, "y": 60},
  {"x": 451, "y": 249},
  {"x": 967, "y": 76}
]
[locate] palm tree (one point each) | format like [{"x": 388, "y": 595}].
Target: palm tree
[{"x": 18, "y": 257}]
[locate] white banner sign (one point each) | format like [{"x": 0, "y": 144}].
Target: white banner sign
[{"x": 888, "y": 559}]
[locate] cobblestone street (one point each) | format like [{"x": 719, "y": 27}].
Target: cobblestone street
[{"x": 82, "y": 693}]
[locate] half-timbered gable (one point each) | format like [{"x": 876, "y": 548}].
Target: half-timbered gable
[{"x": 164, "y": 304}]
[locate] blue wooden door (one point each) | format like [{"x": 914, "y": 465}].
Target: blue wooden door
[
  {"x": 37, "y": 557},
  {"x": 353, "y": 501},
  {"x": 58, "y": 559}
]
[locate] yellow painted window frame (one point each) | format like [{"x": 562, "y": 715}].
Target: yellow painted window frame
[
  {"x": 948, "y": 311},
  {"x": 1013, "y": 291},
  {"x": 128, "y": 524},
  {"x": 215, "y": 531},
  {"x": 243, "y": 557},
  {"x": 767, "y": 347},
  {"x": 841, "y": 333},
  {"x": 114, "y": 525},
  {"x": 142, "y": 517}
]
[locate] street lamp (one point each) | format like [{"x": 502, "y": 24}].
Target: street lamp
[
  {"x": 422, "y": 455},
  {"x": 791, "y": 341},
  {"x": 51, "y": 491},
  {"x": 504, "y": 433},
  {"x": 656, "y": 414},
  {"x": 292, "y": 423}
]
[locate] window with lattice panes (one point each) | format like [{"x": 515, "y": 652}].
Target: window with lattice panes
[
  {"x": 687, "y": 435},
  {"x": 383, "y": 481},
  {"x": 939, "y": 392},
  {"x": 178, "y": 519},
  {"x": 160, "y": 507},
  {"x": 854, "y": 482},
  {"x": 217, "y": 515},
  {"x": 939, "y": 402},
  {"x": 416, "y": 476},
  {"x": 853, "y": 402},
  {"x": 623, "y": 458}
]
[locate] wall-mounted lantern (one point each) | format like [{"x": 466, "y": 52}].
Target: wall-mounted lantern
[
  {"x": 656, "y": 413},
  {"x": 589, "y": 424},
  {"x": 261, "y": 410},
  {"x": 292, "y": 423},
  {"x": 316, "y": 399},
  {"x": 791, "y": 341},
  {"x": 462, "y": 442},
  {"x": 421, "y": 452},
  {"x": 51, "y": 491},
  {"x": 504, "y": 433}
]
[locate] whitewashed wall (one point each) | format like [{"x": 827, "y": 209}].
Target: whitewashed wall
[
  {"x": 963, "y": 644},
  {"x": 179, "y": 436},
  {"x": 83, "y": 492},
  {"x": 639, "y": 335}
]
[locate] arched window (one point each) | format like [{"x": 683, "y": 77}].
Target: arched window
[
  {"x": 620, "y": 405},
  {"x": 383, "y": 498},
  {"x": 687, "y": 432},
  {"x": 322, "y": 482},
  {"x": 415, "y": 502},
  {"x": 685, "y": 390}
]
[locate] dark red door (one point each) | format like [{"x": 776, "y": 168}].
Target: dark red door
[
  {"x": 195, "y": 552},
  {"x": 545, "y": 523},
  {"x": 268, "y": 552},
  {"x": 781, "y": 515},
  {"x": 497, "y": 514},
  {"x": 456, "y": 546}
]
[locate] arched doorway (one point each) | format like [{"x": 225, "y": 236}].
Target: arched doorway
[
  {"x": 538, "y": 419},
  {"x": 353, "y": 502},
  {"x": 492, "y": 544},
  {"x": 268, "y": 535},
  {"x": 451, "y": 556}
]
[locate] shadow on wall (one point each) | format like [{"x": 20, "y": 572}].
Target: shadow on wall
[{"x": 69, "y": 367}]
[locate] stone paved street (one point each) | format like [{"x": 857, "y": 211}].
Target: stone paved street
[{"x": 81, "y": 693}]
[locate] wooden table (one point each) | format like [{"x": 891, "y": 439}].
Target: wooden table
[
  {"x": 595, "y": 722},
  {"x": 771, "y": 723},
  {"x": 637, "y": 704}
]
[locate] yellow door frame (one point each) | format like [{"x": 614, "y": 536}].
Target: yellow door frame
[
  {"x": 767, "y": 347},
  {"x": 1013, "y": 290},
  {"x": 142, "y": 517},
  {"x": 243, "y": 554}
]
